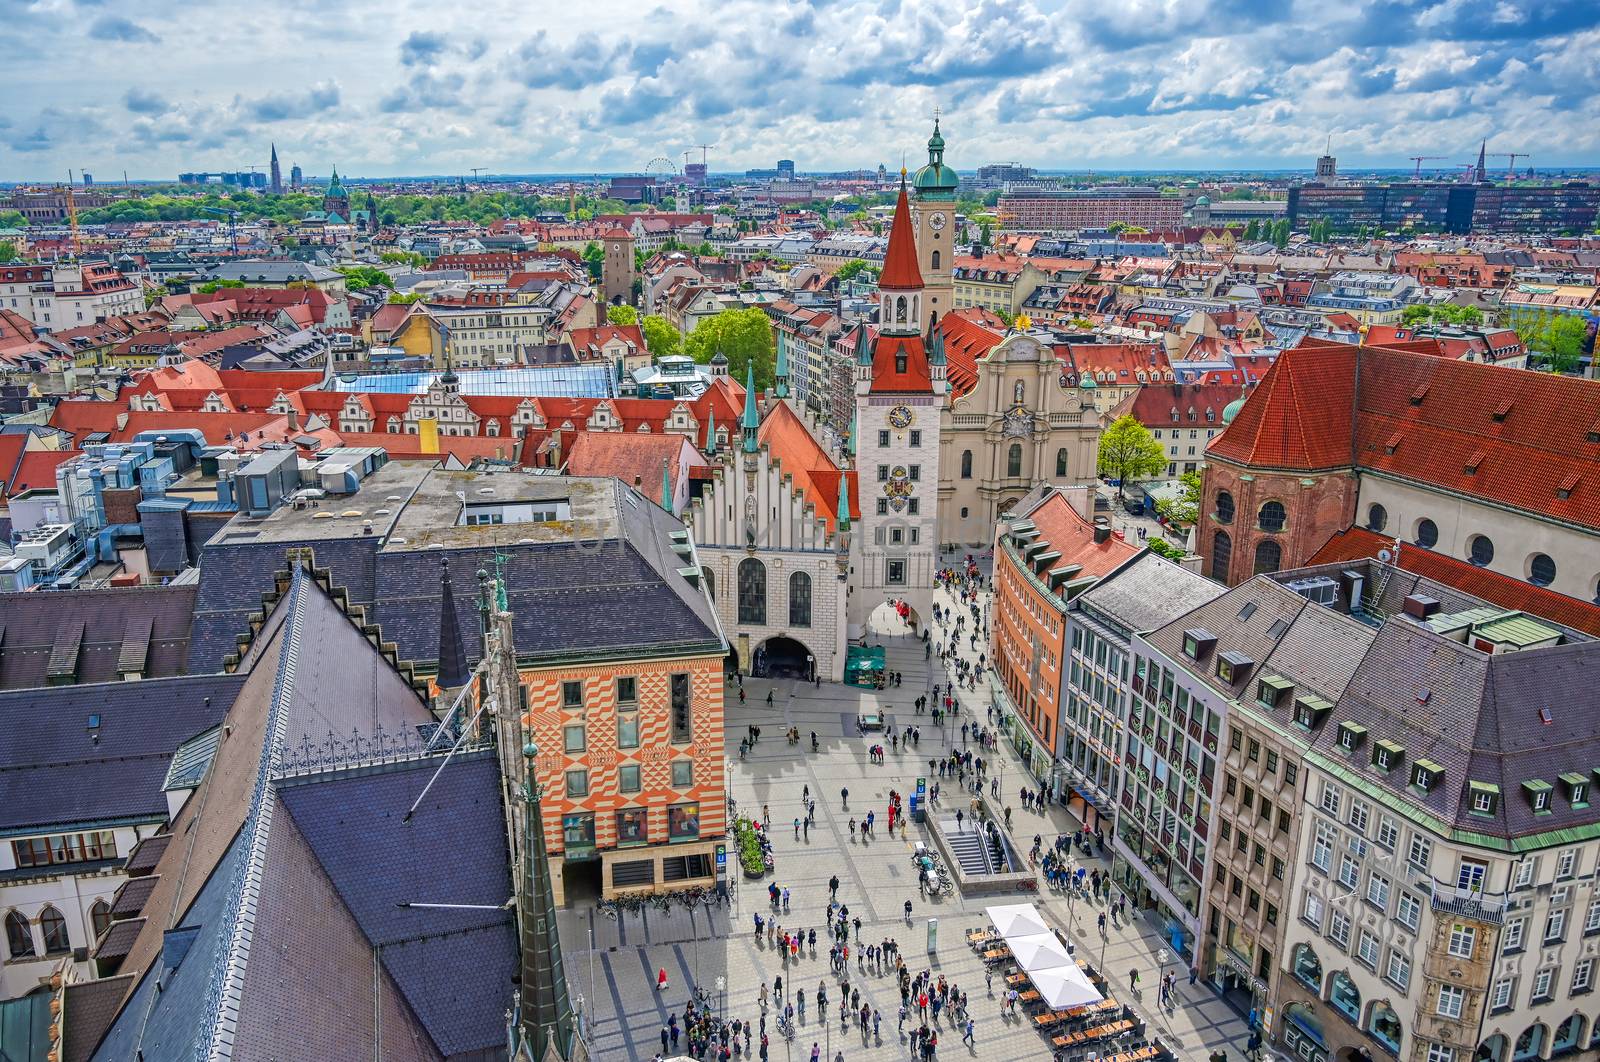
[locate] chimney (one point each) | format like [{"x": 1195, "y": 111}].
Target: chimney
[{"x": 1102, "y": 530}]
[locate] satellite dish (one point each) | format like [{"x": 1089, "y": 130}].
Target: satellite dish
[{"x": 1385, "y": 556}]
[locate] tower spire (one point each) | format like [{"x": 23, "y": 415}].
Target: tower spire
[
  {"x": 547, "y": 1023},
  {"x": 666, "y": 488},
  {"x": 711, "y": 431},
  {"x": 453, "y": 670},
  {"x": 780, "y": 383},
  {"x": 844, "y": 502},
  {"x": 752, "y": 419}
]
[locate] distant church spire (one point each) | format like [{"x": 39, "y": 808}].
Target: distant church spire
[
  {"x": 752, "y": 419},
  {"x": 453, "y": 670},
  {"x": 277, "y": 174}
]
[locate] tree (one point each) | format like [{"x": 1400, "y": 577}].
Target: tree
[
  {"x": 12, "y": 219},
  {"x": 983, "y": 235},
  {"x": 8, "y": 252},
  {"x": 217, "y": 285},
  {"x": 743, "y": 336},
  {"x": 1128, "y": 451},
  {"x": 622, "y": 315},
  {"x": 1252, "y": 231},
  {"x": 851, "y": 269},
  {"x": 594, "y": 258},
  {"x": 1447, "y": 313},
  {"x": 1562, "y": 341},
  {"x": 1280, "y": 233},
  {"x": 404, "y": 300},
  {"x": 1185, "y": 508},
  {"x": 660, "y": 337},
  {"x": 366, "y": 277}
]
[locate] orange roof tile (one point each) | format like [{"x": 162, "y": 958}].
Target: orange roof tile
[
  {"x": 797, "y": 452},
  {"x": 900, "y": 271}
]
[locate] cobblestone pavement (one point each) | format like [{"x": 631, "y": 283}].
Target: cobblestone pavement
[{"x": 613, "y": 962}]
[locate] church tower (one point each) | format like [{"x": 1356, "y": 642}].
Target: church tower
[
  {"x": 935, "y": 212},
  {"x": 900, "y": 392},
  {"x": 275, "y": 184},
  {"x": 616, "y": 268}
]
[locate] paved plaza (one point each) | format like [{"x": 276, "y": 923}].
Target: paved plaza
[{"x": 612, "y": 963}]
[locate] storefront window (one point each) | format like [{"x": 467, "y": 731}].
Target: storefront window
[
  {"x": 1308, "y": 968},
  {"x": 683, "y": 822},
  {"x": 631, "y": 826},
  {"x": 1345, "y": 998},
  {"x": 1385, "y": 1027}
]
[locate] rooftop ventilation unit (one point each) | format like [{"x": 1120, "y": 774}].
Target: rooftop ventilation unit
[{"x": 1319, "y": 589}]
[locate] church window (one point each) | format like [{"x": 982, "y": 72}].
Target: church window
[
  {"x": 1061, "y": 461},
  {"x": 900, "y": 360},
  {"x": 934, "y": 261},
  {"x": 1269, "y": 556},
  {"x": 1014, "y": 460},
  {"x": 752, "y": 591},
  {"x": 799, "y": 600},
  {"x": 966, "y": 464},
  {"x": 1221, "y": 556}
]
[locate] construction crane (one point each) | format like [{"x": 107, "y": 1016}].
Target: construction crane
[
  {"x": 1511, "y": 158},
  {"x": 1419, "y": 160},
  {"x": 477, "y": 170},
  {"x": 703, "y": 149},
  {"x": 233, "y": 225}
]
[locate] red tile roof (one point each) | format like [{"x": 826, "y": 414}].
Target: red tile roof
[
  {"x": 1298, "y": 417},
  {"x": 1073, "y": 537},
  {"x": 799, "y": 455},
  {"x": 969, "y": 335},
  {"x": 1357, "y": 542},
  {"x": 887, "y": 378},
  {"x": 37, "y": 469},
  {"x": 633, "y": 457},
  {"x": 900, "y": 271}
]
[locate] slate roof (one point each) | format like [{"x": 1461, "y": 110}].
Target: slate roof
[
  {"x": 31, "y": 624},
  {"x": 1148, "y": 592},
  {"x": 52, "y": 770}
]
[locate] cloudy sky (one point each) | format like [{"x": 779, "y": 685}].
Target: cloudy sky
[{"x": 380, "y": 87}]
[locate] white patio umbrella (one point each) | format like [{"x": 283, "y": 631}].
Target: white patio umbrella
[
  {"x": 1016, "y": 919},
  {"x": 1064, "y": 986},
  {"x": 1039, "y": 951}
]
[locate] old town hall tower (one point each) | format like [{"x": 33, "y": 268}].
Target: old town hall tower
[{"x": 934, "y": 209}]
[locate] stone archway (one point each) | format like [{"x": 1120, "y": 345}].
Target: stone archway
[
  {"x": 783, "y": 657},
  {"x": 885, "y": 621}
]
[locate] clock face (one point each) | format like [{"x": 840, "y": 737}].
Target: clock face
[
  {"x": 936, "y": 221},
  {"x": 900, "y": 417}
]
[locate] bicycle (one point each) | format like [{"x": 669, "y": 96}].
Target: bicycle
[{"x": 1028, "y": 885}]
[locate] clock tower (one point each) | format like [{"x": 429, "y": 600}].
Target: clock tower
[
  {"x": 935, "y": 211},
  {"x": 900, "y": 394}
]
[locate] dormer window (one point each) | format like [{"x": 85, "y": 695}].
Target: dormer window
[
  {"x": 1310, "y": 711},
  {"x": 1272, "y": 690},
  {"x": 1425, "y": 774},
  {"x": 1539, "y": 793},
  {"x": 1197, "y": 643},
  {"x": 1351, "y": 736},
  {"x": 1576, "y": 787},
  {"x": 1485, "y": 797},
  {"x": 1232, "y": 666},
  {"x": 1386, "y": 755}
]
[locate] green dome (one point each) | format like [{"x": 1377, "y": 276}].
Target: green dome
[
  {"x": 936, "y": 180},
  {"x": 1087, "y": 382},
  {"x": 1231, "y": 410},
  {"x": 1203, "y": 200}
]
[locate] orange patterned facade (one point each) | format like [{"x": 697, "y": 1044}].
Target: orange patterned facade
[{"x": 634, "y": 790}]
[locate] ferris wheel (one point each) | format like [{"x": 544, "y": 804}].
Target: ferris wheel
[{"x": 662, "y": 167}]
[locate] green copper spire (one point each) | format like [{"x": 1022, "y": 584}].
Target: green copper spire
[
  {"x": 780, "y": 384},
  {"x": 855, "y": 430},
  {"x": 936, "y": 347},
  {"x": 844, "y": 502},
  {"x": 863, "y": 348},
  {"x": 752, "y": 419},
  {"x": 711, "y": 432},
  {"x": 666, "y": 488}
]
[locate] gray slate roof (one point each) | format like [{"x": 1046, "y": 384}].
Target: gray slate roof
[
  {"x": 54, "y": 772},
  {"x": 32, "y": 623},
  {"x": 1149, "y": 592}
]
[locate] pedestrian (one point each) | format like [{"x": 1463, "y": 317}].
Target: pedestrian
[
  {"x": 1133, "y": 980},
  {"x": 1194, "y": 975},
  {"x": 661, "y": 979},
  {"x": 785, "y": 899},
  {"x": 797, "y": 828},
  {"x": 833, "y": 887},
  {"x": 663, "y": 1039},
  {"x": 988, "y": 979},
  {"x": 967, "y": 1037}
]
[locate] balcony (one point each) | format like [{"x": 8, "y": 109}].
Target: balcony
[{"x": 1464, "y": 903}]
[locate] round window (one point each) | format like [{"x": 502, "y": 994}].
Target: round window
[
  {"x": 1480, "y": 550},
  {"x": 1377, "y": 517},
  {"x": 1541, "y": 570},
  {"x": 1427, "y": 533}
]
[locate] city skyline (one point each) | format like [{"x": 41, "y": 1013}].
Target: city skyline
[{"x": 1130, "y": 86}]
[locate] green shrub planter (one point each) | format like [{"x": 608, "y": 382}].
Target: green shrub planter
[{"x": 749, "y": 848}]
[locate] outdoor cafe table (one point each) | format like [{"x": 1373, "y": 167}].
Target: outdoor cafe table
[
  {"x": 1017, "y": 979},
  {"x": 1099, "y": 1032}
]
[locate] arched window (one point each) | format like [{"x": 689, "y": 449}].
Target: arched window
[
  {"x": 1427, "y": 533},
  {"x": 966, "y": 464},
  {"x": 1480, "y": 550},
  {"x": 752, "y": 591},
  {"x": 1384, "y": 1025},
  {"x": 100, "y": 918},
  {"x": 1308, "y": 968},
  {"x": 799, "y": 600},
  {"x": 1377, "y": 517},
  {"x": 1224, "y": 510},
  {"x": 1269, "y": 556},
  {"x": 54, "y": 928},
  {"x": 1221, "y": 556},
  {"x": 1014, "y": 460},
  {"x": 1061, "y": 461},
  {"x": 1568, "y": 1033},
  {"x": 1541, "y": 569},
  {"x": 19, "y": 936},
  {"x": 1273, "y": 516},
  {"x": 1344, "y": 997},
  {"x": 1530, "y": 1045},
  {"x": 900, "y": 309},
  {"x": 933, "y": 261},
  {"x": 710, "y": 581}
]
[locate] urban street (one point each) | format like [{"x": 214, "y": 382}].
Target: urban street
[{"x": 614, "y": 962}]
